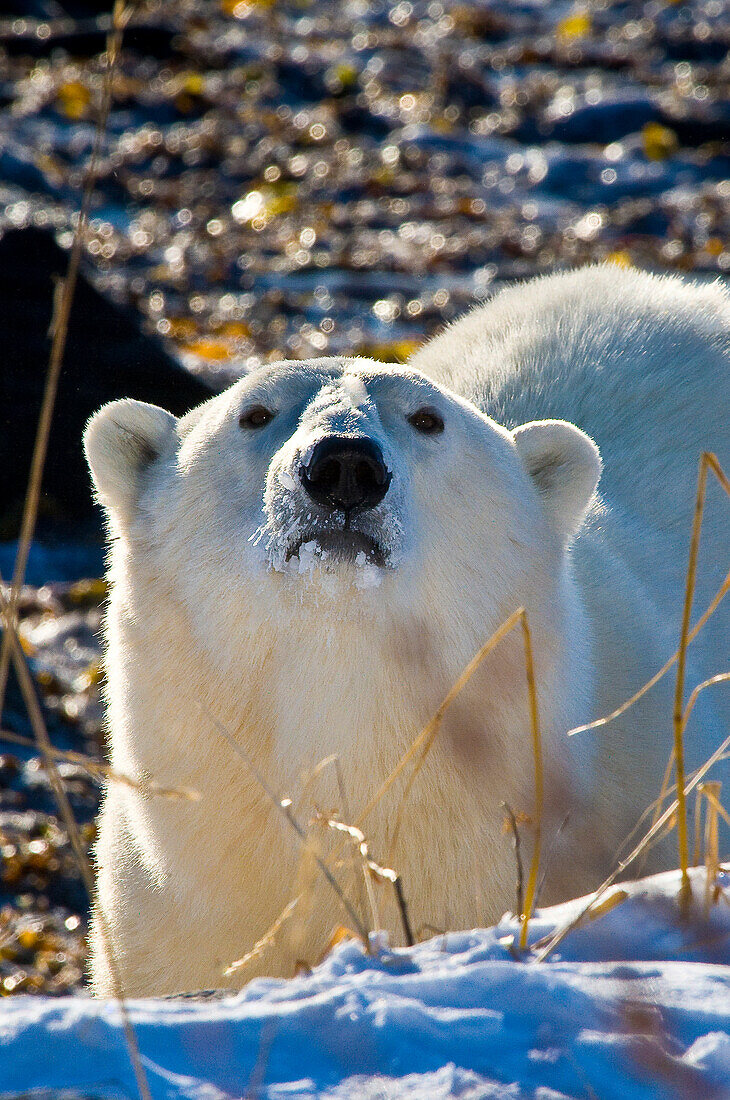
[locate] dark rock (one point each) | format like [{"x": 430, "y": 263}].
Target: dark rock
[
  {"x": 602, "y": 122},
  {"x": 107, "y": 356},
  {"x": 87, "y": 38}
]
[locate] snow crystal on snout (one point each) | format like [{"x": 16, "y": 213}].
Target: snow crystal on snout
[
  {"x": 355, "y": 389},
  {"x": 286, "y": 479},
  {"x": 367, "y": 575},
  {"x": 307, "y": 554}
]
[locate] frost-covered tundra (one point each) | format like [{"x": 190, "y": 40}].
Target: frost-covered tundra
[{"x": 309, "y": 560}]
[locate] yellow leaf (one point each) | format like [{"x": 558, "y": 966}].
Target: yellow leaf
[
  {"x": 260, "y": 204},
  {"x": 576, "y": 25},
  {"x": 659, "y": 141},
  {"x": 621, "y": 257},
  {"x": 397, "y": 351},
  {"x": 235, "y": 329},
  {"x": 346, "y": 75},
  {"x": 239, "y": 9},
  {"x": 214, "y": 350},
  {"x": 90, "y": 677},
  {"x": 182, "y": 328},
  {"x": 607, "y": 904},
  {"x": 193, "y": 84},
  {"x": 88, "y": 591},
  {"x": 28, "y": 939},
  {"x": 73, "y": 99}
]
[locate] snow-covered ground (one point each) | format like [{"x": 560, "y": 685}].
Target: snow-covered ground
[{"x": 632, "y": 1004}]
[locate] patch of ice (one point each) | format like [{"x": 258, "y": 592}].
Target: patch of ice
[
  {"x": 330, "y": 584},
  {"x": 286, "y": 479},
  {"x": 307, "y": 554},
  {"x": 369, "y": 576}
]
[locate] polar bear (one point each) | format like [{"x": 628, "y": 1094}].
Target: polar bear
[{"x": 303, "y": 565}]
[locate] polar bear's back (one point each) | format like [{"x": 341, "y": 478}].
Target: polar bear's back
[{"x": 641, "y": 363}]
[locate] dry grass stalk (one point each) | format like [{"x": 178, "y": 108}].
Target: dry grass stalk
[
  {"x": 361, "y": 862},
  {"x": 357, "y": 878},
  {"x": 656, "y": 807},
  {"x": 678, "y": 722},
  {"x": 427, "y": 735},
  {"x": 43, "y": 743},
  {"x": 284, "y": 806},
  {"x": 537, "y": 757},
  {"x": 103, "y": 772},
  {"x": 711, "y": 609},
  {"x": 714, "y": 808},
  {"x": 720, "y": 678},
  {"x": 548, "y": 856},
  {"x": 62, "y": 302},
  {"x": 511, "y": 822},
  {"x": 11, "y": 646},
  {"x": 266, "y": 941},
  {"x": 310, "y": 778},
  {"x": 372, "y": 869},
  {"x": 681, "y": 714},
  {"x": 711, "y": 791},
  {"x": 649, "y": 838},
  {"x": 698, "y": 826}
]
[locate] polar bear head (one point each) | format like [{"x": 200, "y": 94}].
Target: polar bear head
[{"x": 341, "y": 488}]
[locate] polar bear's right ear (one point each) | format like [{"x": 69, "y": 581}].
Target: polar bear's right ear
[
  {"x": 565, "y": 465},
  {"x": 121, "y": 441}
]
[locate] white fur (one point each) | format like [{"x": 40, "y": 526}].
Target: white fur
[{"x": 217, "y": 619}]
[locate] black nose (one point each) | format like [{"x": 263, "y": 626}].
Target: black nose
[{"x": 346, "y": 474}]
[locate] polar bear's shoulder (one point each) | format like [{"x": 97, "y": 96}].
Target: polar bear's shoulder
[{"x": 602, "y": 325}]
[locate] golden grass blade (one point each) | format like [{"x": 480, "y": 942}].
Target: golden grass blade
[
  {"x": 707, "y": 461},
  {"x": 720, "y": 678},
  {"x": 537, "y": 758},
  {"x": 713, "y": 606},
  {"x": 663, "y": 793},
  {"x": 608, "y": 904},
  {"x": 283, "y": 805},
  {"x": 646, "y": 840},
  {"x": 711, "y": 791},
  {"x": 384, "y": 874},
  {"x": 266, "y": 940},
  {"x": 520, "y": 888},
  {"x": 104, "y": 772},
  {"x": 63, "y": 300},
  {"x": 678, "y": 710},
  {"x": 427, "y": 735}
]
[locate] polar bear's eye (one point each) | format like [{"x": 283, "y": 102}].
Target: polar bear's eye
[
  {"x": 426, "y": 421},
  {"x": 256, "y": 417}
]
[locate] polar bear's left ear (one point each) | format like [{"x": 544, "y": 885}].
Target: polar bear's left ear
[
  {"x": 121, "y": 441},
  {"x": 565, "y": 465}
]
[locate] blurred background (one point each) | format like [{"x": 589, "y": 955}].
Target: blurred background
[{"x": 287, "y": 180}]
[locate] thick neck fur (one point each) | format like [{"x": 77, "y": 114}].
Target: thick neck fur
[{"x": 293, "y": 692}]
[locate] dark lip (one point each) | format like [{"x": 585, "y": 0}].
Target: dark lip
[{"x": 345, "y": 545}]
